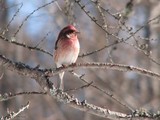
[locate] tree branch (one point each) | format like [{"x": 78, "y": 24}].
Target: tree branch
[
  {"x": 13, "y": 114},
  {"x": 41, "y": 78},
  {"x": 112, "y": 66},
  {"x": 24, "y": 45}
]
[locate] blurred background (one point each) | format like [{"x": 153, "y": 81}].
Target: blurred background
[{"x": 24, "y": 22}]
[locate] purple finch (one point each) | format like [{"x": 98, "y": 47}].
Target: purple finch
[{"x": 66, "y": 49}]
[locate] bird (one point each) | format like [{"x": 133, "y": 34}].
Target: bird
[{"x": 66, "y": 51}]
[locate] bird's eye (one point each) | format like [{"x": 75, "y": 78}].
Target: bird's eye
[{"x": 69, "y": 32}]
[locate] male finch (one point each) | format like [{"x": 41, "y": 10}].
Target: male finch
[{"x": 66, "y": 49}]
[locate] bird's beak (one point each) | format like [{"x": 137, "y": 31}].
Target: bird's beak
[{"x": 77, "y": 32}]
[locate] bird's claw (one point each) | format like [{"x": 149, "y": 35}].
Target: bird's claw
[
  {"x": 73, "y": 64},
  {"x": 64, "y": 65},
  {"x": 59, "y": 90}
]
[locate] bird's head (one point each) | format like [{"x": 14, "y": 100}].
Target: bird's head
[{"x": 69, "y": 32}]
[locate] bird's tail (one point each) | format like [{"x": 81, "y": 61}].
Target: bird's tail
[{"x": 61, "y": 82}]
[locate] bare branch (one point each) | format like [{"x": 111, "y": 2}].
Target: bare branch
[
  {"x": 84, "y": 106},
  {"x": 96, "y": 65},
  {"x": 31, "y": 72},
  {"x": 40, "y": 77},
  {"x": 8, "y": 96},
  {"x": 13, "y": 114},
  {"x": 6, "y": 29},
  {"x": 104, "y": 24},
  {"x": 105, "y": 92},
  {"x": 81, "y": 87},
  {"x": 42, "y": 39},
  {"x": 119, "y": 40},
  {"x": 32, "y": 14},
  {"x": 24, "y": 45},
  {"x": 145, "y": 53}
]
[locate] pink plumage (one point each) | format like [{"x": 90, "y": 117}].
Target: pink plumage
[{"x": 66, "y": 49}]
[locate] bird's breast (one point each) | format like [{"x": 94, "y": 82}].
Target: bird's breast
[{"x": 67, "y": 52}]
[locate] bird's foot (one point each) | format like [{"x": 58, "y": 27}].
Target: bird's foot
[
  {"x": 59, "y": 90},
  {"x": 64, "y": 65},
  {"x": 73, "y": 64}
]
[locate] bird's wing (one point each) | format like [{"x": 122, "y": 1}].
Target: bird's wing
[{"x": 56, "y": 45}]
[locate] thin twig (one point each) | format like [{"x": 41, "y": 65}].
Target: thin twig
[
  {"x": 145, "y": 53},
  {"x": 104, "y": 25},
  {"x": 42, "y": 39},
  {"x": 13, "y": 114},
  {"x": 103, "y": 91},
  {"x": 25, "y": 46},
  {"x": 32, "y": 14},
  {"x": 40, "y": 76},
  {"x": 8, "y": 96},
  {"x": 7, "y": 27},
  {"x": 120, "y": 40},
  {"x": 81, "y": 87}
]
